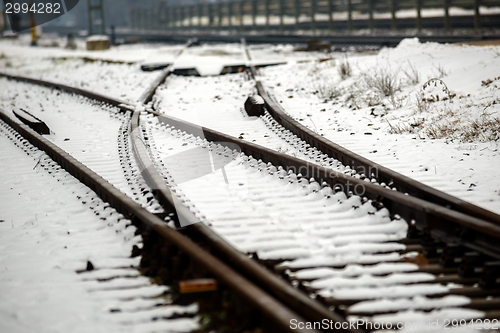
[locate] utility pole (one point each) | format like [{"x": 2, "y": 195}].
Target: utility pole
[{"x": 34, "y": 36}]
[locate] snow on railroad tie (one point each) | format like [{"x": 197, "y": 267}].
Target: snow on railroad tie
[
  {"x": 438, "y": 122},
  {"x": 209, "y": 60},
  {"x": 347, "y": 249},
  {"x": 51, "y": 228},
  {"x": 217, "y": 103},
  {"x": 93, "y": 133},
  {"x": 115, "y": 72}
]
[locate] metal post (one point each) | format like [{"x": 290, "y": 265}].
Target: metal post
[
  {"x": 447, "y": 24},
  {"x": 313, "y": 15},
  {"x": 191, "y": 15},
  {"x": 394, "y": 23},
  {"x": 419, "y": 15},
  {"x": 182, "y": 16},
  {"x": 330, "y": 14},
  {"x": 282, "y": 15},
  {"x": 219, "y": 14},
  {"x": 230, "y": 14},
  {"x": 297, "y": 13},
  {"x": 477, "y": 15},
  {"x": 254, "y": 13},
  {"x": 156, "y": 18},
  {"x": 200, "y": 14},
  {"x": 371, "y": 9},
  {"x": 144, "y": 18},
  {"x": 149, "y": 19},
  {"x": 266, "y": 4},
  {"x": 241, "y": 6},
  {"x": 174, "y": 17},
  {"x": 178, "y": 23},
  {"x": 171, "y": 20},
  {"x": 210, "y": 10}
]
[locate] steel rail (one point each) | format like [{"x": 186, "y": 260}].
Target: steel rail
[
  {"x": 283, "y": 291},
  {"x": 87, "y": 93},
  {"x": 383, "y": 174},
  {"x": 444, "y": 223},
  {"x": 147, "y": 96},
  {"x": 280, "y": 314},
  {"x": 296, "y": 300}
]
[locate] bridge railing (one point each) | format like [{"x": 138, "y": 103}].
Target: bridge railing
[{"x": 319, "y": 15}]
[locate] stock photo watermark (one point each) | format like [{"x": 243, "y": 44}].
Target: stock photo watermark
[
  {"x": 485, "y": 325},
  {"x": 26, "y": 14}
]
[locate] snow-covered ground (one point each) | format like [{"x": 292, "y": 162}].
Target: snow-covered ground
[
  {"x": 122, "y": 79},
  {"x": 427, "y": 110},
  {"x": 51, "y": 225}
]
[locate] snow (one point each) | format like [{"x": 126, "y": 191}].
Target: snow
[
  {"x": 324, "y": 237},
  {"x": 397, "y": 291},
  {"x": 94, "y": 38},
  {"x": 210, "y": 60},
  {"x": 353, "y": 270},
  {"x": 368, "y": 280},
  {"x": 44, "y": 242},
  {"x": 122, "y": 79},
  {"x": 66, "y": 115},
  {"x": 417, "y": 302}
]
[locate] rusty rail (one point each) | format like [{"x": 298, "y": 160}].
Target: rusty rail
[
  {"x": 382, "y": 174},
  {"x": 476, "y": 232},
  {"x": 280, "y": 314},
  {"x": 270, "y": 292}
]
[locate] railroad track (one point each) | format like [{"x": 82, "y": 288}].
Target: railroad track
[
  {"x": 438, "y": 248},
  {"x": 110, "y": 276}
]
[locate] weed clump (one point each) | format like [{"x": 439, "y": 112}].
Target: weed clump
[
  {"x": 344, "y": 68},
  {"x": 383, "y": 81}
]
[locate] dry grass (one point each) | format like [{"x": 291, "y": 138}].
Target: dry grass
[
  {"x": 441, "y": 72},
  {"x": 383, "y": 81},
  {"x": 384, "y": 84},
  {"x": 412, "y": 127},
  {"x": 412, "y": 75},
  {"x": 435, "y": 90},
  {"x": 483, "y": 129},
  {"x": 324, "y": 85},
  {"x": 326, "y": 90},
  {"x": 451, "y": 124},
  {"x": 421, "y": 104}
]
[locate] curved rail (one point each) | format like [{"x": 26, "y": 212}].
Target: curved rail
[
  {"x": 297, "y": 300},
  {"x": 149, "y": 93},
  {"x": 441, "y": 222},
  {"x": 268, "y": 305},
  {"x": 470, "y": 231},
  {"x": 298, "y": 304},
  {"x": 382, "y": 174}
]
